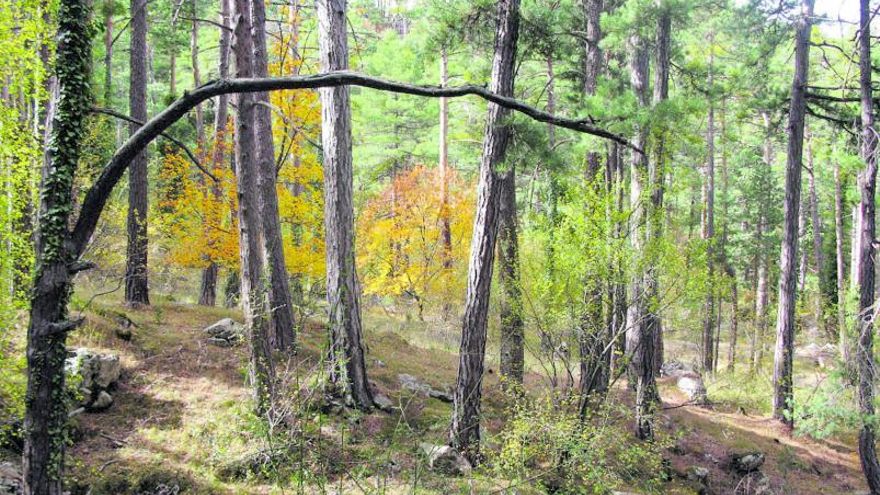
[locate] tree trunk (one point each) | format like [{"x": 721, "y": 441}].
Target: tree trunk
[
  {"x": 253, "y": 284},
  {"x": 108, "y": 52},
  {"x": 465, "y": 429},
  {"x": 45, "y": 421},
  {"x": 136, "y": 283},
  {"x": 734, "y": 326},
  {"x": 208, "y": 292},
  {"x": 784, "y": 354},
  {"x": 708, "y": 347},
  {"x": 841, "y": 268},
  {"x": 867, "y": 312},
  {"x": 445, "y": 230},
  {"x": 512, "y": 332},
  {"x": 818, "y": 254},
  {"x": 348, "y": 366},
  {"x": 284, "y": 335},
  {"x": 761, "y": 292},
  {"x": 639, "y": 338}
]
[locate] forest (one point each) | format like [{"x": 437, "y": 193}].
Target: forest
[{"x": 438, "y": 246}]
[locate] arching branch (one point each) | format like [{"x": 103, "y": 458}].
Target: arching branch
[
  {"x": 175, "y": 141},
  {"x": 97, "y": 196}
]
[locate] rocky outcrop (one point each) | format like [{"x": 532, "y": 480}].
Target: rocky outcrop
[
  {"x": 446, "y": 460},
  {"x": 224, "y": 333},
  {"x": 96, "y": 374},
  {"x": 692, "y": 386}
]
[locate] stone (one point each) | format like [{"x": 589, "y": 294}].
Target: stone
[
  {"x": 747, "y": 462},
  {"x": 383, "y": 402},
  {"x": 698, "y": 473},
  {"x": 219, "y": 342},
  {"x": 821, "y": 355},
  {"x": 101, "y": 403},
  {"x": 691, "y": 384},
  {"x": 675, "y": 368},
  {"x": 226, "y": 328},
  {"x": 416, "y": 385},
  {"x": 10, "y": 479},
  {"x": 98, "y": 371},
  {"x": 446, "y": 460}
]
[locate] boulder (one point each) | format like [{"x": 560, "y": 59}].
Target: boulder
[
  {"x": 747, "y": 462},
  {"x": 676, "y": 368},
  {"x": 383, "y": 402},
  {"x": 413, "y": 384},
  {"x": 821, "y": 355},
  {"x": 691, "y": 383},
  {"x": 224, "y": 333},
  {"x": 102, "y": 402},
  {"x": 10, "y": 479},
  {"x": 98, "y": 371},
  {"x": 446, "y": 460}
]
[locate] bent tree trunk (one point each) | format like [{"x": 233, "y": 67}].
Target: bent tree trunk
[
  {"x": 45, "y": 419},
  {"x": 465, "y": 430},
  {"x": 253, "y": 286},
  {"x": 283, "y": 335},
  {"x": 784, "y": 354},
  {"x": 348, "y": 369},
  {"x": 136, "y": 287},
  {"x": 867, "y": 312}
]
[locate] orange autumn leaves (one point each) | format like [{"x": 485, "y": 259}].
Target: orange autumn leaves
[{"x": 399, "y": 235}]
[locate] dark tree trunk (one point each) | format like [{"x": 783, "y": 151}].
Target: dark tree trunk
[
  {"x": 253, "y": 286},
  {"x": 593, "y": 67},
  {"x": 348, "y": 365},
  {"x": 108, "y": 52},
  {"x": 136, "y": 284},
  {"x": 283, "y": 335},
  {"x": 465, "y": 430},
  {"x": 785, "y": 323},
  {"x": 639, "y": 338},
  {"x": 232, "y": 289},
  {"x": 867, "y": 312},
  {"x": 512, "y": 331},
  {"x": 45, "y": 421}
]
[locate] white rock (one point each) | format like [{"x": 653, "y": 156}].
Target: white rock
[
  {"x": 97, "y": 370},
  {"x": 446, "y": 460},
  {"x": 692, "y": 385}
]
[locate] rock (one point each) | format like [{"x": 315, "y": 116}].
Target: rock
[
  {"x": 698, "y": 473},
  {"x": 224, "y": 333},
  {"x": 821, "y": 355},
  {"x": 10, "y": 479},
  {"x": 97, "y": 371},
  {"x": 383, "y": 402},
  {"x": 101, "y": 403},
  {"x": 754, "y": 483},
  {"x": 379, "y": 363},
  {"x": 446, "y": 460},
  {"x": 691, "y": 383},
  {"x": 747, "y": 463},
  {"x": 413, "y": 384},
  {"x": 676, "y": 368},
  {"x": 123, "y": 333}
]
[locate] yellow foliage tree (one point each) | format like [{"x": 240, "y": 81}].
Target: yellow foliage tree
[{"x": 399, "y": 234}]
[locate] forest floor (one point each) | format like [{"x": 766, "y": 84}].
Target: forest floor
[{"x": 179, "y": 423}]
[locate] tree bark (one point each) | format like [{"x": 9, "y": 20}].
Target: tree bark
[
  {"x": 45, "y": 421},
  {"x": 708, "y": 347},
  {"x": 136, "y": 270},
  {"x": 283, "y": 335},
  {"x": 465, "y": 430},
  {"x": 785, "y": 323},
  {"x": 761, "y": 292},
  {"x": 348, "y": 367},
  {"x": 108, "y": 52},
  {"x": 841, "y": 268},
  {"x": 254, "y": 290},
  {"x": 639, "y": 338},
  {"x": 512, "y": 331},
  {"x": 867, "y": 208},
  {"x": 445, "y": 230},
  {"x": 818, "y": 254}
]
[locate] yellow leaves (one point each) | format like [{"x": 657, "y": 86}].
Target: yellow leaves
[{"x": 402, "y": 249}]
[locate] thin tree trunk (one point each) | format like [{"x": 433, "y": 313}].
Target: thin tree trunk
[
  {"x": 348, "y": 365},
  {"x": 445, "y": 230},
  {"x": 253, "y": 284},
  {"x": 841, "y": 268},
  {"x": 762, "y": 268},
  {"x": 867, "y": 312},
  {"x": 818, "y": 254},
  {"x": 108, "y": 52},
  {"x": 785, "y": 323},
  {"x": 512, "y": 332},
  {"x": 708, "y": 348},
  {"x": 465, "y": 429},
  {"x": 136, "y": 270}
]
